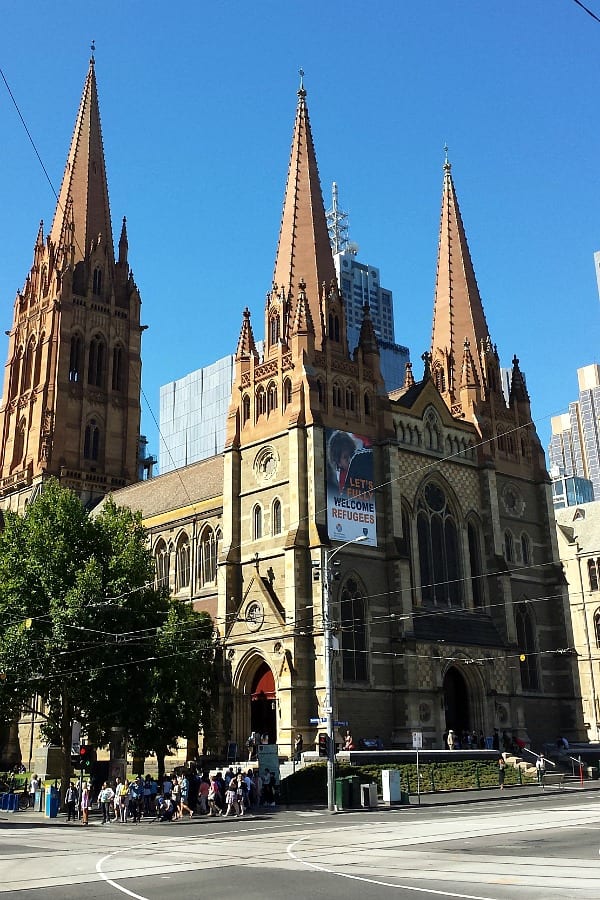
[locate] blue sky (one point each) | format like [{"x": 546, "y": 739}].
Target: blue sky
[{"x": 197, "y": 105}]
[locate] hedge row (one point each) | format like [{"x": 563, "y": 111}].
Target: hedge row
[{"x": 309, "y": 785}]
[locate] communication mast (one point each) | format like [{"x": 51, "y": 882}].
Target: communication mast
[{"x": 337, "y": 224}]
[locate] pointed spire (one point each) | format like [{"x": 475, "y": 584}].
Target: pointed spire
[
  {"x": 367, "y": 339},
  {"x": 409, "y": 378},
  {"x": 458, "y": 311},
  {"x": 303, "y": 322},
  {"x": 303, "y": 249},
  {"x": 84, "y": 181},
  {"x": 246, "y": 346},
  {"x": 426, "y": 357},
  {"x": 123, "y": 243},
  {"x": 518, "y": 388},
  {"x": 468, "y": 374}
]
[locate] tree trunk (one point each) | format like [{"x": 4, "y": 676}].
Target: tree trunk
[
  {"x": 66, "y": 737},
  {"x": 160, "y": 761}
]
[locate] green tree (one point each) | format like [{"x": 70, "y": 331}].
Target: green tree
[{"x": 84, "y": 627}]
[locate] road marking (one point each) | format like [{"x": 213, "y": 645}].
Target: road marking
[{"x": 404, "y": 887}]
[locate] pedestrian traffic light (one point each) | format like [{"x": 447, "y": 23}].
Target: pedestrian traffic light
[
  {"x": 85, "y": 757},
  {"x": 324, "y": 745}
]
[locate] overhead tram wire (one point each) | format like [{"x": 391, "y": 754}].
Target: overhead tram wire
[{"x": 588, "y": 11}]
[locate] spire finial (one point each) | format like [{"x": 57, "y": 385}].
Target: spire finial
[
  {"x": 447, "y": 164},
  {"x": 93, "y": 49},
  {"x": 301, "y": 91}
]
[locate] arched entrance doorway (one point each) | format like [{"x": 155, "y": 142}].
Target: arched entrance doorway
[
  {"x": 456, "y": 702},
  {"x": 263, "y": 718}
]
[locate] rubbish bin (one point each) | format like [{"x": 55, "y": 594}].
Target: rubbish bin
[
  {"x": 4, "y": 801},
  {"x": 38, "y": 801},
  {"x": 592, "y": 772},
  {"x": 354, "y": 782},
  {"x": 365, "y": 797},
  {"x": 373, "y": 798},
  {"x": 13, "y": 803},
  {"x": 52, "y": 801},
  {"x": 342, "y": 793},
  {"x": 404, "y": 798}
]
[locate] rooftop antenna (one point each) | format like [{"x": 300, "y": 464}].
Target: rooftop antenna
[{"x": 337, "y": 224}]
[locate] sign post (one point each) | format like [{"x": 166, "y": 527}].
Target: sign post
[{"x": 417, "y": 742}]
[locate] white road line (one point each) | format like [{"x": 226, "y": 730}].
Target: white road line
[{"x": 404, "y": 887}]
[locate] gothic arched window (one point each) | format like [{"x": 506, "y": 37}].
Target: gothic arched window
[
  {"x": 475, "y": 564},
  {"x": 182, "y": 563},
  {"x": 96, "y": 361},
  {"x": 593, "y": 574},
  {"x": 320, "y": 390},
  {"x": 97, "y": 282},
  {"x": 38, "y": 360},
  {"x": 245, "y": 408},
  {"x": 207, "y": 558},
  {"x": 337, "y": 396},
  {"x": 438, "y": 548},
  {"x": 528, "y": 648},
  {"x": 526, "y": 549},
  {"x": 367, "y": 405},
  {"x": 287, "y": 392},
  {"x": 27, "y": 371},
  {"x": 261, "y": 402},
  {"x": 353, "y": 632},
  {"x": 161, "y": 561},
  {"x": 274, "y": 329},
  {"x": 350, "y": 402},
  {"x": 91, "y": 441},
  {"x": 16, "y": 373},
  {"x": 509, "y": 546},
  {"x": 334, "y": 328},
  {"x": 597, "y": 627},
  {"x": 19, "y": 445},
  {"x": 271, "y": 397},
  {"x": 276, "y": 517},
  {"x": 257, "y": 522},
  {"x": 118, "y": 371},
  {"x": 76, "y": 358}
]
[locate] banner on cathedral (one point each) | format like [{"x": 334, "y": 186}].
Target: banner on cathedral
[{"x": 351, "y": 509}]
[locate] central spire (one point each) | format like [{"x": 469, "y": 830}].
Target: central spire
[
  {"x": 84, "y": 182},
  {"x": 303, "y": 251},
  {"x": 458, "y": 311}
]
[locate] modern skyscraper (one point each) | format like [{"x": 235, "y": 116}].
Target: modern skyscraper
[
  {"x": 71, "y": 402},
  {"x": 360, "y": 283},
  {"x": 574, "y": 450}
]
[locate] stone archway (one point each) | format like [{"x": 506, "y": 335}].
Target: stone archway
[
  {"x": 254, "y": 700},
  {"x": 263, "y": 703},
  {"x": 457, "y": 702}
]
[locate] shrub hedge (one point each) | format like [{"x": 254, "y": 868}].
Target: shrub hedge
[{"x": 309, "y": 785}]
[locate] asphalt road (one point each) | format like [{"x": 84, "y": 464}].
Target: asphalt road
[{"x": 539, "y": 847}]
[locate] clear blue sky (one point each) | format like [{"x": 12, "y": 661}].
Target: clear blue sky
[{"x": 197, "y": 105}]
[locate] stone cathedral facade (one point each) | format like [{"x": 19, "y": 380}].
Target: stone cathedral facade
[{"x": 427, "y": 511}]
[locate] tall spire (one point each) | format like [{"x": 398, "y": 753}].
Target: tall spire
[
  {"x": 303, "y": 250},
  {"x": 84, "y": 182},
  {"x": 458, "y": 311}
]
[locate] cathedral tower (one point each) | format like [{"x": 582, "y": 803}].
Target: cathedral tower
[{"x": 71, "y": 400}]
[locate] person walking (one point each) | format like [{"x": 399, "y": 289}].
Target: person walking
[
  {"x": 105, "y": 798},
  {"x": 71, "y": 799},
  {"x": 451, "y": 740},
  {"x": 124, "y": 806},
  {"x": 540, "y": 767},
  {"x": 298, "y": 748},
  {"x": 501, "y": 772},
  {"x": 86, "y": 802}
]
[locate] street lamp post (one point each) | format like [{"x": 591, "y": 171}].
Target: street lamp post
[{"x": 328, "y": 673}]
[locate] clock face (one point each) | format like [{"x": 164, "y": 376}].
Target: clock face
[{"x": 255, "y": 615}]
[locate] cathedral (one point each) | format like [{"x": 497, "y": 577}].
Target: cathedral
[{"x": 420, "y": 521}]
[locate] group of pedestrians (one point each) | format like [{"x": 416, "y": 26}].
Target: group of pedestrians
[{"x": 225, "y": 794}]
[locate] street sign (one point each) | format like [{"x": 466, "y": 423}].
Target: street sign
[
  {"x": 321, "y": 721},
  {"x": 343, "y": 723},
  {"x": 417, "y": 740}
]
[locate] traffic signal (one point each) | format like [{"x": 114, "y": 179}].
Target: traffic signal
[
  {"x": 324, "y": 745},
  {"x": 85, "y": 757}
]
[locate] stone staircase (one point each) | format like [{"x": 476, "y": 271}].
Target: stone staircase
[{"x": 517, "y": 762}]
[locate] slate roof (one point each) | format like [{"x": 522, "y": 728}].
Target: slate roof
[
  {"x": 581, "y": 523},
  {"x": 181, "y": 488}
]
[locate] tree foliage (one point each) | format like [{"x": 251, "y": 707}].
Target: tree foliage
[{"x": 84, "y": 627}]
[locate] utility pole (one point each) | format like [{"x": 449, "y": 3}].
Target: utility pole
[{"x": 327, "y": 557}]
